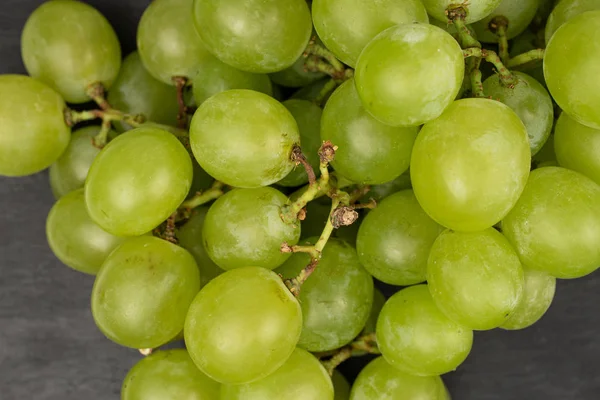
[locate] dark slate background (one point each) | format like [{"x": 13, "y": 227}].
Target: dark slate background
[{"x": 50, "y": 348}]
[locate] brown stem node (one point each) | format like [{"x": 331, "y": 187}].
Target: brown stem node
[
  {"x": 327, "y": 152},
  {"x": 343, "y": 216}
]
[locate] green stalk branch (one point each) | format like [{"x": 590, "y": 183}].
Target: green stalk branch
[
  {"x": 527, "y": 57},
  {"x": 329, "y": 87},
  {"x": 499, "y": 26},
  {"x": 319, "y": 59},
  {"x": 506, "y": 77},
  {"x": 99, "y": 141},
  {"x": 200, "y": 198},
  {"x": 476, "y": 83},
  {"x": 96, "y": 92},
  {"x": 364, "y": 344}
]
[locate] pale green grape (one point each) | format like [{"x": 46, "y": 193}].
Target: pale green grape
[
  {"x": 378, "y": 302},
  {"x": 369, "y": 151},
  {"x": 302, "y": 377},
  {"x": 244, "y": 138},
  {"x": 69, "y": 45},
  {"x": 475, "y": 278},
  {"x": 555, "y": 225},
  {"x": 414, "y": 336},
  {"x": 259, "y": 36},
  {"x": 243, "y": 326},
  {"x": 74, "y": 238},
  {"x": 296, "y": 75},
  {"x": 346, "y": 26},
  {"x": 519, "y": 14},
  {"x": 137, "y": 181},
  {"x": 33, "y": 132},
  {"x": 168, "y": 375},
  {"x": 470, "y": 165},
  {"x": 476, "y": 9},
  {"x": 564, "y": 11},
  {"x": 143, "y": 291},
  {"x": 341, "y": 387},
  {"x": 409, "y": 74}
]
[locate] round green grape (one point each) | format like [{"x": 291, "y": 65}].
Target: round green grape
[
  {"x": 530, "y": 101},
  {"x": 243, "y": 326},
  {"x": 33, "y": 132},
  {"x": 336, "y": 299},
  {"x": 577, "y": 147},
  {"x": 523, "y": 43},
  {"x": 476, "y": 9},
  {"x": 346, "y": 26},
  {"x": 369, "y": 151},
  {"x": 395, "y": 238},
  {"x": 143, "y": 291},
  {"x": 475, "y": 278},
  {"x": 302, "y": 377},
  {"x": 259, "y": 36},
  {"x": 137, "y": 181},
  {"x": 564, "y": 11},
  {"x": 518, "y": 13},
  {"x": 74, "y": 238},
  {"x": 378, "y": 302},
  {"x": 341, "y": 387},
  {"x": 69, "y": 45},
  {"x": 296, "y": 76},
  {"x": 168, "y": 375},
  {"x": 538, "y": 294},
  {"x": 409, "y": 74},
  {"x": 571, "y": 68},
  {"x": 470, "y": 165},
  {"x": 555, "y": 225}
]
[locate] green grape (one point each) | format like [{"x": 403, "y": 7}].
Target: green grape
[
  {"x": 380, "y": 192},
  {"x": 475, "y": 278},
  {"x": 311, "y": 91},
  {"x": 379, "y": 380},
  {"x": 137, "y": 181},
  {"x": 168, "y": 375},
  {"x": 69, "y": 45},
  {"x": 244, "y": 227},
  {"x": 243, "y": 326},
  {"x": 137, "y": 92},
  {"x": 555, "y": 225},
  {"x": 244, "y": 138},
  {"x": 341, "y": 387},
  {"x": 74, "y": 238},
  {"x": 577, "y": 147},
  {"x": 414, "y": 336},
  {"x": 143, "y": 291},
  {"x": 571, "y": 68},
  {"x": 346, "y": 26},
  {"x": 167, "y": 40},
  {"x": 409, "y": 74},
  {"x": 564, "y": 11},
  {"x": 296, "y": 76},
  {"x": 476, "y": 9},
  {"x": 308, "y": 117},
  {"x": 259, "y": 36},
  {"x": 301, "y": 377},
  {"x": 336, "y": 299},
  {"x": 470, "y": 165},
  {"x": 519, "y": 14},
  {"x": 369, "y": 151},
  {"x": 33, "y": 132},
  {"x": 530, "y": 101},
  {"x": 378, "y": 302},
  {"x": 395, "y": 238},
  {"x": 214, "y": 76},
  {"x": 538, "y": 294},
  {"x": 523, "y": 43}
]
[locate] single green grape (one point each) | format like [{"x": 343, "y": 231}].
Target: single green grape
[
  {"x": 414, "y": 336},
  {"x": 137, "y": 92},
  {"x": 475, "y": 278},
  {"x": 470, "y": 165},
  {"x": 476, "y": 9},
  {"x": 296, "y": 76},
  {"x": 243, "y": 326},
  {"x": 261, "y": 36},
  {"x": 378, "y": 302},
  {"x": 369, "y": 151},
  {"x": 69, "y": 45},
  {"x": 244, "y": 138},
  {"x": 214, "y": 76},
  {"x": 564, "y": 10},
  {"x": 311, "y": 91},
  {"x": 530, "y": 101},
  {"x": 523, "y": 43},
  {"x": 137, "y": 181},
  {"x": 341, "y": 387},
  {"x": 518, "y": 13},
  {"x": 555, "y": 225},
  {"x": 33, "y": 132},
  {"x": 74, "y": 238},
  {"x": 336, "y": 299},
  {"x": 143, "y": 291},
  {"x": 244, "y": 227},
  {"x": 168, "y": 375},
  {"x": 379, "y": 380},
  {"x": 571, "y": 68},
  {"x": 395, "y": 238},
  {"x": 538, "y": 294},
  {"x": 380, "y": 192},
  {"x": 308, "y": 117},
  {"x": 346, "y": 26},
  {"x": 577, "y": 147},
  {"x": 301, "y": 377},
  {"x": 409, "y": 74}
]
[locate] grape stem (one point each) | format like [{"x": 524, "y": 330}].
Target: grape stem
[
  {"x": 360, "y": 191},
  {"x": 457, "y": 17},
  {"x": 364, "y": 344},
  {"x": 200, "y": 198},
  {"x": 506, "y": 77},
  {"x": 299, "y": 158},
  {"x": 476, "y": 83},
  {"x": 97, "y": 93},
  {"x": 319, "y": 59},
  {"x": 99, "y": 141},
  {"x": 169, "y": 233},
  {"x": 527, "y": 57},
  {"x": 182, "y": 115},
  {"x": 499, "y": 25},
  {"x": 325, "y": 92}
]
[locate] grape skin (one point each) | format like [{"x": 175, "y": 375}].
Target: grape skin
[
  {"x": 519, "y": 14},
  {"x": 476, "y": 9}
]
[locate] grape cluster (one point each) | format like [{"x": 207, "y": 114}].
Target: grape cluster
[{"x": 259, "y": 162}]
